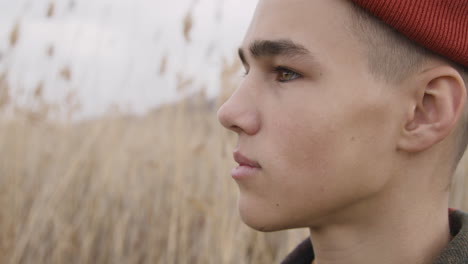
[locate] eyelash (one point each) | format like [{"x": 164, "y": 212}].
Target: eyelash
[{"x": 278, "y": 70}]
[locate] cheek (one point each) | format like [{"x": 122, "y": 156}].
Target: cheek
[
  {"x": 328, "y": 159},
  {"x": 303, "y": 153},
  {"x": 301, "y": 143},
  {"x": 300, "y": 161}
]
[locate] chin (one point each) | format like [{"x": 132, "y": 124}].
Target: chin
[
  {"x": 263, "y": 218},
  {"x": 259, "y": 225}
]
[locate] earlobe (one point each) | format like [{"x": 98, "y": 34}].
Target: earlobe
[{"x": 438, "y": 105}]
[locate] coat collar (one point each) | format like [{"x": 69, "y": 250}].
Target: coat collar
[{"x": 456, "y": 251}]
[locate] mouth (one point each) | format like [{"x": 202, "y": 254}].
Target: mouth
[
  {"x": 246, "y": 169},
  {"x": 244, "y": 161}
]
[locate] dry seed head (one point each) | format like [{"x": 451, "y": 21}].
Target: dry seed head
[
  {"x": 50, "y": 10},
  {"x": 14, "y": 34},
  {"x": 65, "y": 73},
  {"x": 39, "y": 89},
  {"x": 163, "y": 65},
  {"x": 50, "y": 51},
  {"x": 4, "y": 91},
  {"x": 188, "y": 24}
]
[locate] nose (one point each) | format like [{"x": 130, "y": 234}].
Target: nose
[{"x": 240, "y": 113}]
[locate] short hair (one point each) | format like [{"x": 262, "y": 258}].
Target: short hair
[{"x": 394, "y": 57}]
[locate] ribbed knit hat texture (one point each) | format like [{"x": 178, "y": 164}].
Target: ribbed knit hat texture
[{"x": 439, "y": 25}]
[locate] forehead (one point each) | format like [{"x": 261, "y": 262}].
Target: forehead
[{"x": 315, "y": 24}]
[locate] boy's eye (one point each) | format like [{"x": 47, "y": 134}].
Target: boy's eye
[{"x": 285, "y": 75}]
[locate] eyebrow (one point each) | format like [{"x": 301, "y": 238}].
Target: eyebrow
[{"x": 271, "y": 48}]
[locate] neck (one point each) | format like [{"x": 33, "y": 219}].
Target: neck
[{"x": 407, "y": 229}]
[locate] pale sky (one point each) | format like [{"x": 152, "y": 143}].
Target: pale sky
[{"x": 114, "y": 48}]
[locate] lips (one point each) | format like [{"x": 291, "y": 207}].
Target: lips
[
  {"x": 247, "y": 168},
  {"x": 244, "y": 161}
]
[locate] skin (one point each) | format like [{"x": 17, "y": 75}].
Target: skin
[{"x": 361, "y": 162}]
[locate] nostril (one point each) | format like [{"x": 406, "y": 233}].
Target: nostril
[{"x": 235, "y": 128}]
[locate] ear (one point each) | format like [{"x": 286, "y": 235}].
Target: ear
[{"x": 437, "y": 106}]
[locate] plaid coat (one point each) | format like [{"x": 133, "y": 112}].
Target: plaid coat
[{"x": 456, "y": 251}]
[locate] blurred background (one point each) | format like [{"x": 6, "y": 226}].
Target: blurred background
[
  {"x": 110, "y": 147},
  {"x": 107, "y": 54}
]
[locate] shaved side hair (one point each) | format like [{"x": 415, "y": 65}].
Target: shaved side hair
[{"x": 393, "y": 57}]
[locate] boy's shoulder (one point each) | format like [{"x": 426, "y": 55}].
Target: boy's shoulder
[{"x": 456, "y": 251}]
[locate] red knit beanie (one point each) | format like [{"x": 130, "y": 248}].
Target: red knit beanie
[{"x": 439, "y": 25}]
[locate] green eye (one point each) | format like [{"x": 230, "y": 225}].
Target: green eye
[{"x": 285, "y": 75}]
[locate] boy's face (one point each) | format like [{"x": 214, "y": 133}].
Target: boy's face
[{"x": 324, "y": 134}]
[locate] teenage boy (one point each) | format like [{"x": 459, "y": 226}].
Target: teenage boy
[{"x": 351, "y": 122}]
